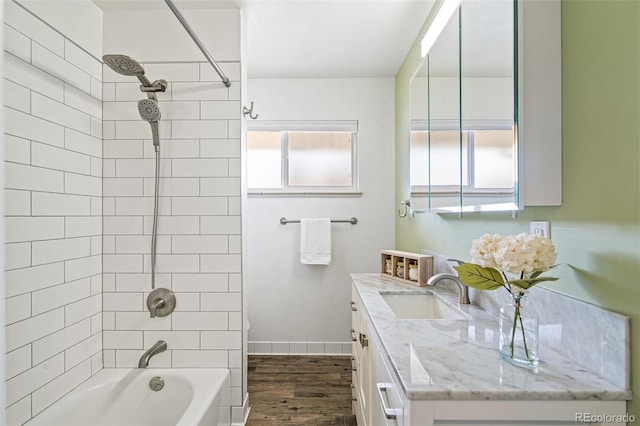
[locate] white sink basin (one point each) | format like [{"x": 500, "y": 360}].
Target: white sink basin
[{"x": 421, "y": 306}]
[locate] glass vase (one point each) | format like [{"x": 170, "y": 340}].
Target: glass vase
[{"x": 518, "y": 333}]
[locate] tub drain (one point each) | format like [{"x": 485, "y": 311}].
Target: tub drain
[{"x": 156, "y": 383}]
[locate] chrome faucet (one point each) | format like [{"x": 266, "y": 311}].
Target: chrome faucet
[
  {"x": 159, "y": 346},
  {"x": 464, "y": 290}
]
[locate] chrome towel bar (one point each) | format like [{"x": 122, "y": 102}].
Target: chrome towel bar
[{"x": 353, "y": 221}]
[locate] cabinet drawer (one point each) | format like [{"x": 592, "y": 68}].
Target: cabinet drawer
[{"x": 389, "y": 408}]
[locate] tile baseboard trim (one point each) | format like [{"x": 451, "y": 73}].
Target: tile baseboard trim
[
  {"x": 246, "y": 410},
  {"x": 298, "y": 348}
]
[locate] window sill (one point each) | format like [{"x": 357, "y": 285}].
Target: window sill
[
  {"x": 304, "y": 194},
  {"x": 475, "y": 192}
]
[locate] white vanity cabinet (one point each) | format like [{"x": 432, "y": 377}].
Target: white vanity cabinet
[
  {"x": 376, "y": 397},
  {"x": 512, "y": 413},
  {"x": 388, "y": 406},
  {"x": 381, "y": 399},
  {"x": 361, "y": 364}
]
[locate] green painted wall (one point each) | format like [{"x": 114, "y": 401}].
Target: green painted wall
[{"x": 597, "y": 229}]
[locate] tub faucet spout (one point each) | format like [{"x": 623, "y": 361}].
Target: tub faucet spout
[
  {"x": 159, "y": 346},
  {"x": 464, "y": 290}
]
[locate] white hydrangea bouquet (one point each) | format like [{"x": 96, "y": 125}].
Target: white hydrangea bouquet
[{"x": 515, "y": 262}]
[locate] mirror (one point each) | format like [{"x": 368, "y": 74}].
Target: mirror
[{"x": 463, "y": 154}]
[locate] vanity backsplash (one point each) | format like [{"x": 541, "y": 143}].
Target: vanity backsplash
[{"x": 595, "y": 338}]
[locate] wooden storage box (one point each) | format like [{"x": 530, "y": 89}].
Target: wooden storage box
[{"x": 423, "y": 263}]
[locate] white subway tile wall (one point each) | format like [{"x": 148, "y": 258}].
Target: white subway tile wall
[
  {"x": 53, "y": 193},
  {"x": 199, "y": 252},
  {"x": 79, "y": 195}
]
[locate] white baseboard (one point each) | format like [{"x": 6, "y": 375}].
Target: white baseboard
[
  {"x": 299, "y": 348},
  {"x": 245, "y": 410}
]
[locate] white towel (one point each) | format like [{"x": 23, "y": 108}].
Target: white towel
[{"x": 315, "y": 241}]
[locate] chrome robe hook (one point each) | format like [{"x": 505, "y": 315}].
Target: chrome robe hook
[
  {"x": 405, "y": 208},
  {"x": 249, "y": 111}
]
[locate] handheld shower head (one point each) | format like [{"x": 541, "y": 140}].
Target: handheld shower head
[{"x": 150, "y": 112}]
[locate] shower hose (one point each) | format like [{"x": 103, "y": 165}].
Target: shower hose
[{"x": 154, "y": 232}]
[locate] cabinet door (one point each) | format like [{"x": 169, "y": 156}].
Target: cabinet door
[{"x": 360, "y": 353}]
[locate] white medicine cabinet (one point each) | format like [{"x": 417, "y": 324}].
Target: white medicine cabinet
[{"x": 486, "y": 119}]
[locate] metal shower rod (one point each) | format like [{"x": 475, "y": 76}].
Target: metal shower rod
[{"x": 195, "y": 38}]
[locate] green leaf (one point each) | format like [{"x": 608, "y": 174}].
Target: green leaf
[
  {"x": 527, "y": 284},
  {"x": 536, "y": 274},
  {"x": 478, "y": 277}
]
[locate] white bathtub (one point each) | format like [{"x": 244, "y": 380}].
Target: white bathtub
[{"x": 121, "y": 397}]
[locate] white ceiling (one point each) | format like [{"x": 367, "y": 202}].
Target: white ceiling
[{"x": 316, "y": 38}]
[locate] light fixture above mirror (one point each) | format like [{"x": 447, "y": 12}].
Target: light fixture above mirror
[{"x": 446, "y": 10}]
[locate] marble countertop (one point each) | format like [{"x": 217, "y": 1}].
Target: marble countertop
[{"x": 459, "y": 360}]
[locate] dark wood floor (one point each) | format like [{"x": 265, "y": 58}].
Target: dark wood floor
[{"x": 299, "y": 390}]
